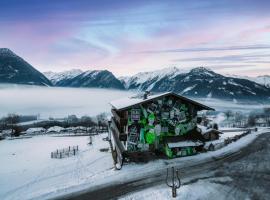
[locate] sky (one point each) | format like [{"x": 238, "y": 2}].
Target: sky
[{"x": 127, "y": 37}]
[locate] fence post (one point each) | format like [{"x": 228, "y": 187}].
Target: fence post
[
  {"x": 74, "y": 152},
  {"x": 60, "y": 154},
  {"x": 68, "y": 148},
  {"x": 51, "y": 154}
]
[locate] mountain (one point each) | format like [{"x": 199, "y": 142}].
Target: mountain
[
  {"x": 59, "y": 78},
  {"x": 199, "y": 82},
  {"x": 94, "y": 78},
  {"x": 262, "y": 80},
  {"x": 13, "y": 69},
  {"x": 146, "y": 80}
]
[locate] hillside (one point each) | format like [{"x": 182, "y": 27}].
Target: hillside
[{"x": 14, "y": 69}]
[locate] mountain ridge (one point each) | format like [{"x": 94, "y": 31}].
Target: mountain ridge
[
  {"x": 199, "y": 82},
  {"x": 14, "y": 69}
]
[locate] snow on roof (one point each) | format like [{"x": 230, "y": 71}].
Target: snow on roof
[
  {"x": 203, "y": 128},
  {"x": 33, "y": 130},
  {"x": 184, "y": 144},
  {"x": 127, "y": 102},
  {"x": 55, "y": 129},
  {"x": 206, "y": 130}
]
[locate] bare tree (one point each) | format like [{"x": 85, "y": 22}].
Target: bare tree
[
  {"x": 11, "y": 122},
  {"x": 102, "y": 119},
  {"x": 252, "y": 119},
  {"x": 266, "y": 112},
  {"x": 87, "y": 121},
  {"x": 228, "y": 114}
]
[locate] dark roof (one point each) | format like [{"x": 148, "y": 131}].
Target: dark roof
[{"x": 126, "y": 103}]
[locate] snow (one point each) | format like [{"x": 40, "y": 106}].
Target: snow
[
  {"x": 188, "y": 89},
  {"x": 208, "y": 189},
  {"x": 233, "y": 83},
  {"x": 203, "y": 128},
  {"x": 128, "y": 101},
  {"x": 154, "y": 76},
  {"x": 262, "y": 80},
  {"x": 55, "y": 77},
  {"x": 91, "y": 73},
  {"x": 35, "y": 130},
  {"x": 226, "y": 135},
  {"x": 27, "y": 171},
  {"x": 184, "y": 144},
  {"x": 57, "y": 129},
  {"x": 40, "y": 177}
]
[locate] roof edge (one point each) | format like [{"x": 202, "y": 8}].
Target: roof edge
[{"x": 204, "y": 107}]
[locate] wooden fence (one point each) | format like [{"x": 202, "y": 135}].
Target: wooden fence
[{"x": 66, "y": 152}]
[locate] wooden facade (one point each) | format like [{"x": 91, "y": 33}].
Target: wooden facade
[{"x": 164, "y": 124}]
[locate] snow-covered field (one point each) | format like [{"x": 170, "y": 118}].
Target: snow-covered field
[{"x": 28, "y": 172}]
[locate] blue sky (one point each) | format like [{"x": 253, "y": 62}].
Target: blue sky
[{"x": 125, "y": 37}]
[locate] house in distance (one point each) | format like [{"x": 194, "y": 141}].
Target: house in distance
[{"x": 162, "y": 124}]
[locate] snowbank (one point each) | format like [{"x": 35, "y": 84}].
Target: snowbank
[{"x": 208, "y": 189}]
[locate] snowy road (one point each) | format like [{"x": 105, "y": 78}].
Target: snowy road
[{"x": 246, "y": 173}]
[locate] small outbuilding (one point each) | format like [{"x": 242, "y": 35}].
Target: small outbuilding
[
  {"x": 35, "y": 131},
  {"x": 162, "y": 124}
]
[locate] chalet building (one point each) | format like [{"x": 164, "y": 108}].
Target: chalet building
[
  {"x": 163, "y": 124},
  {"x": 211, "y": 134}
]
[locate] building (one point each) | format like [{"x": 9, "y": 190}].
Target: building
[
  {"x": 211, "y": 134},
  {"x": 163, "y": 124},
  {"x": 35, "y": 131}
]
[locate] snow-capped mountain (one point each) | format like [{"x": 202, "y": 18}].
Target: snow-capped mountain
[
  {"x": 147, "y": 80},
  {"x": 199, "y": 82},
  {"x": 262, "y": 80},
  {"x": 59, "y": 78},
  {"x": 94, "y": 78},
  {"x": 13, "y": 69}
]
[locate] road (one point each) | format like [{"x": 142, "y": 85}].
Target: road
[{"x": 249, "y": 169}]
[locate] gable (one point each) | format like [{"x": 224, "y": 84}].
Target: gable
[{"x": 128, "y": 102}]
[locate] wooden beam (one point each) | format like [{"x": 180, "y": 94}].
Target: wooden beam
[
  {"x": 114, "y": 126},
  {"x": 116, "y": 116},
  {"x": 118, "y": 144}
]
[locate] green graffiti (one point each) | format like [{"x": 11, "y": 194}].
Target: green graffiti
[
  {"x": 168, "y": 152},
  {"x": 150, "y": 137}
]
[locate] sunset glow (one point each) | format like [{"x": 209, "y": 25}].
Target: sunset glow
[{"x": 125, "y": 37}]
